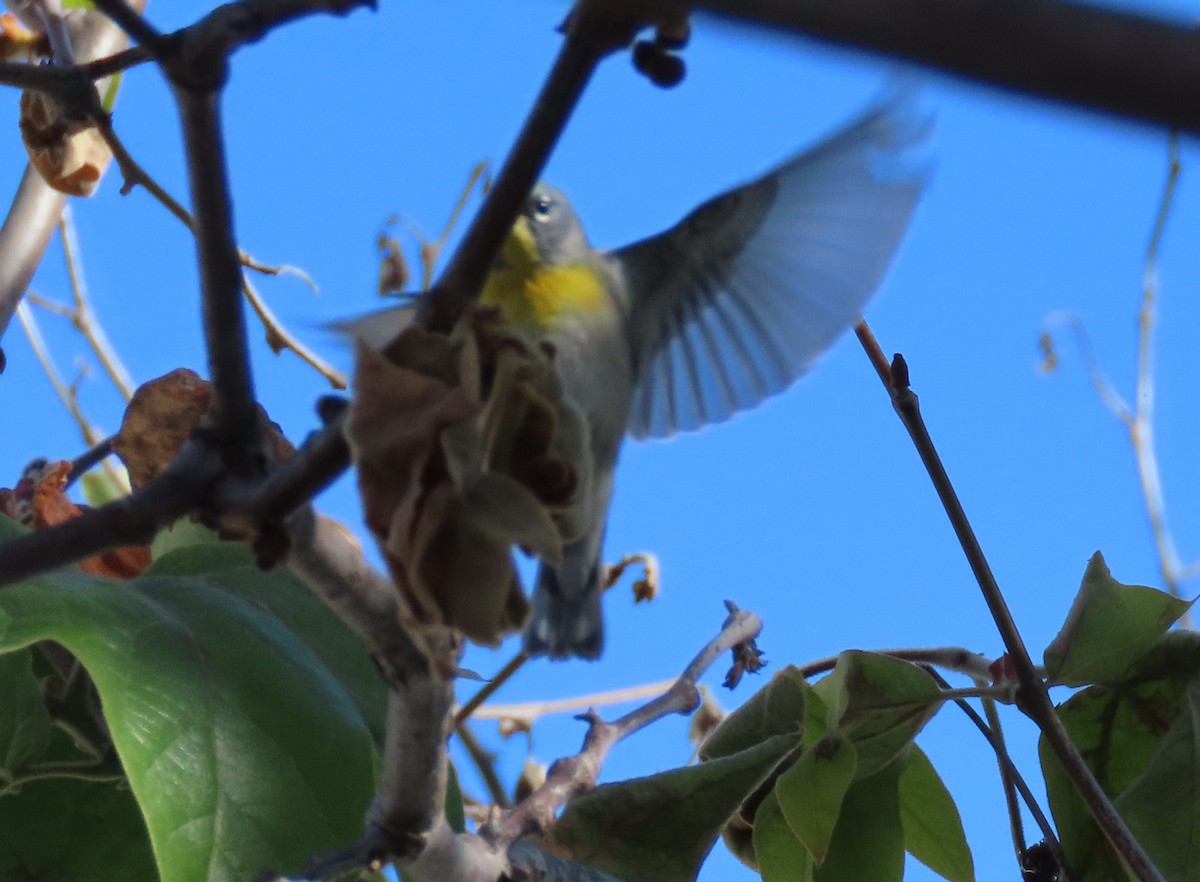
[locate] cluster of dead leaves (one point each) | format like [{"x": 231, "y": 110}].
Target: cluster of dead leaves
[
  {"x": 160, "y": 418},
  {"x": 465, "y": 447},
  {"x": 40, "y": 500}
]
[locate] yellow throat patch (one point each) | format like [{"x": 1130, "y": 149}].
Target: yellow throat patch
[{"x": 535, "y": 295}]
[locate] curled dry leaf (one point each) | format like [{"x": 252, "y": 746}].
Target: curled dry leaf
[
  {"x": 466, "y": 447},
  {"x": 39, "y": 500},
  {"x": 162, "y": 415},
  {"x": 68, "y": 151}
]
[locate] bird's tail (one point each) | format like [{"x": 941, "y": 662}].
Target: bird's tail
[{"x": 567, "y": 620}]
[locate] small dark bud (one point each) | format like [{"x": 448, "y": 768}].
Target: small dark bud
[
  {"x": 663, "y": 68},
  {"x": 330, "y": 407}
]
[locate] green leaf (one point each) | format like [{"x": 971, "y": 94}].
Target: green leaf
[
  {"x": 933, "y": 830},
  {"x": 99, "y": 487},
  {"x": 885, "y": 701},
  {"x": 1109, "y": 628},
  {"x": 224, "y": 721},
  {"x": 66, "y": 830},
  {"x": 810, "y": 793},
  {"x": 660, "y": 828},
  {"x": 781, "y": 857},
  {"x": 869, "y": 840},
  {"x": 1162, "y": 807},
  {"x": 24, "y": 721},
  {"x": 1117, "y": 730},
  {"x": 456, "y": 815},
  {"x": 184, "y": 533},
  {"x": 231, "y": 566},
  {"x": 777, "y": 708}
]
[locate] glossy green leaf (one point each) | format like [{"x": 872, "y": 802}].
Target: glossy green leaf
[
  {"x": 933, "y": 830},
  {"x": 780, "y": 855},
  {"x": 1109, "y": 629},
  {"x": 810, "y": 793},
  {"x": 231, "y": 567},
  {"x": 224, "y": 720},
  {"x": 660, "y": 828},
  {"x": 24, "y": 722}
]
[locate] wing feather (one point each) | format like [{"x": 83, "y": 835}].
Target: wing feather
[{"x": 738, "y": 300}]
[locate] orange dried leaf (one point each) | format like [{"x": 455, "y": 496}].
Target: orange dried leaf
[{"x": 51, "y": 506}]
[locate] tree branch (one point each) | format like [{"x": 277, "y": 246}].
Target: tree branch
[
  {"x": 589, "y": 38},
  {"x": 1118, "y": 62},
  {"x": 1032, "y": 697},
  {"x": 569, "y": 776}
]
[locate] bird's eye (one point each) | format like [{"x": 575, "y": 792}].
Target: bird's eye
[{"x": 542, "y": 207}]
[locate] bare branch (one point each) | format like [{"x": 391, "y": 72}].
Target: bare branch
[
  {"x": 589, "y": 39},
  {"x": 575, "y": 774},
  {"x": 83, "y": 317},
  {"x": 1117, "y": 62},
  {"x": 1033, "y": 697},
  {"x": 36, "y": 207}
]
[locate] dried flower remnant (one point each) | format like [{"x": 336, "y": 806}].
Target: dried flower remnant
[
  {"x": 40, "y": 501},
  {"x": 465, "y": 447},
  {"x": 161, "y": 417}
]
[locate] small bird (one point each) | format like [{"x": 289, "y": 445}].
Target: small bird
[{"x": 688, "y": 327}]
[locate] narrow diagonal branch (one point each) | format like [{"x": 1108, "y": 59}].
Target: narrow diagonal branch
[
  {"x": 587, "y": 43},
  {"x": 1033, "y": 697}
]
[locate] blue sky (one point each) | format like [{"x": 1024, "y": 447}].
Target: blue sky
[{"x": 812, "y": 510}]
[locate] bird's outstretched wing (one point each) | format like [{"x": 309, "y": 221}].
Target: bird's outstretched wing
[{"x": 738, "y": 300}]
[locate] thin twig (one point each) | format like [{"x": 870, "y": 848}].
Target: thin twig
[
  {"x": 1141, "y": 428},
  {"x": 68, "y": 394},
  {"x": 83, "y": 317},
  {"x": 1033, "y": 697},
  {"x": 277, "y": 335},
  {"x": 130, "y": 20},
  {"x": 950, "y": 658},
  {"x": 485, "y": 764},
  {"x": 532, "y": 710},
  {"x": 94, "y": 772},
  {"x": 1011, "y": 776},
  {"x": 587, "y": 42},
  {"x": 573, "y": 774},
  {"x": 489, "y": 688}
]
